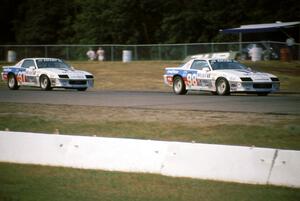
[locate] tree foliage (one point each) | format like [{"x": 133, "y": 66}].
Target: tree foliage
[{"x": 134, "y": 21}]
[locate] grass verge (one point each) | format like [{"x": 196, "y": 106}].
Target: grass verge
[
  {"x": 249, "y": 129},
  {"x": 29, "y": 182}
]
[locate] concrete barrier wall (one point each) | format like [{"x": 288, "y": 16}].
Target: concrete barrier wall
[
  {"x": 83, "y": 152},
  {"x": 219, "y": 162},
  {"x": 203, "y": 161},
  {"x": 286, "y": 169}
]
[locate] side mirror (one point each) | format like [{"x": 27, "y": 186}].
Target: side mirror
[{"x": 205, "y": 69}]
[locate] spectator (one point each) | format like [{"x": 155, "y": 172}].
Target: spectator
[
  {"x": 100, "y": 54},
  {"x": 91, "y": 54}
]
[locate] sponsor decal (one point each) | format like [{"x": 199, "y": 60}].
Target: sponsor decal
[
  {"x": 172, "y": 71},
  {"x": 47, "y": 59}
]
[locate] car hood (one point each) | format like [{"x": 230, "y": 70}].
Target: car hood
[
  {"x": 72, "y": 73},
  {"x": 255, "y": 76}
]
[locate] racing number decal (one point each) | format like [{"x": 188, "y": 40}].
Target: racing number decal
[
  {"x": 21, "y": 77},
  {"x": 192, "y": 79}
]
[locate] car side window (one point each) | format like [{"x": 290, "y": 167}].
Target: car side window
[
  {"x": 199, "y": 65},
  {"x": 27, "y": 63}
]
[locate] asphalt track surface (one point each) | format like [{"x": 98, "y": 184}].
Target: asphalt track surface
[{"x": 277, "y": 104}]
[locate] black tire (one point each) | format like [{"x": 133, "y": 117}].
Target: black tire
[
  {"x": 45, "y": 83},
  {"x": 179, "y": 86},
  {"x": 222, "y": 87},
  {"x": 263, "y": 93},
  {"x": 82, "y": 89},
  {"x": 12, "y": 82}
]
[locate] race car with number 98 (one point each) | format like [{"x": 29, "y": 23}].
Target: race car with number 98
[{"x": 219, "y": 76}]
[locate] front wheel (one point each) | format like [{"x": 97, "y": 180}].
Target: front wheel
[
  {"x": 45, "y": 83},
  {"x": 262, "y": 93},
  {"x": 222, "y": 87},
  {"x": 179, "y": 86},
  {"x": 12, "y": 82}
]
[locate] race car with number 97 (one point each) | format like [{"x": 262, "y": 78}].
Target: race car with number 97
[
  {"x": 46, "y": 73},
  {"x": 219, "y": 76}
]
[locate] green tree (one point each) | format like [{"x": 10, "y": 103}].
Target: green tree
[{"x": 43, "y": 22}]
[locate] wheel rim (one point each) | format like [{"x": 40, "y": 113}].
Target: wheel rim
[
  {"x": 222, "y": 87},
  {"x": 44, "y": 83},
  {"x": 177, "y": 85},
  {"x": 11, "y": 82}
]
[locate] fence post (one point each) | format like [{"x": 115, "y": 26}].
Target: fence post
[
  {"x": 159, "y": 52},
  {"x": 135, "y": 53},
  {"x": 67, "y": 53},
  {"x": 185, "y": 50},
  {"x": 212, "y": 47},
  {"x": 112, "y": 53},
  {"x": 46, "y": 51}
]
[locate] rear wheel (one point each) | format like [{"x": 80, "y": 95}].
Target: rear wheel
[
  {"x": 12, "y": 82},
  {"x": 82, "y": 89},
  {"x": 222, "y": 87},
  {"x": 179, "y": 86},
  {"x": 45, "y": 83}
]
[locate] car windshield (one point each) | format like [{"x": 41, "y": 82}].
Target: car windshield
[
  {"x": 226, "y": 64},
  {"x": 51, "y": 63}
]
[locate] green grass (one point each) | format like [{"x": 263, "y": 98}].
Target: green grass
[
  {"x": 281, "y": 131},
  {"x": 29, "y": 182}
]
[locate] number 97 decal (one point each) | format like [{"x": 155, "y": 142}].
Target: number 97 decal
[{"x": 192, "y": 79}]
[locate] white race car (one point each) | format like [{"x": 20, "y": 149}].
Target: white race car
[
  {"x": 219, "y": 76},
  {"x": 46, "y": 73}
]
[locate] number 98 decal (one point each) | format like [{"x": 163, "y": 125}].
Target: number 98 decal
[{"x": 192, "y": 79}]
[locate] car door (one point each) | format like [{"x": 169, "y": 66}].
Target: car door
[
  {"x": 199, "y": 76},
  {"x": 29, "y": 76}
]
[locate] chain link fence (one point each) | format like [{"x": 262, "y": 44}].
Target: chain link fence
[{"x": 271, "y": 50}]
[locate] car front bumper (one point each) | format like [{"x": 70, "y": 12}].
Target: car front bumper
[
  {"x": 251, "y": 86},
  {"x": 72, "y": 83}
]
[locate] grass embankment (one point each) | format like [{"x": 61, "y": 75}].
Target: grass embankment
[
  {"x": 261, "y": 130},
  {"x": 28, "y": 182}
]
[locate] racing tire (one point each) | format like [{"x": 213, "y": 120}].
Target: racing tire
[
  {"x": 262, "y": 94},
  {"x": 12, "y": 82},
  {"x": 45, "y": 83},
  {"x": 179, "y": 86},
  {"x": 222, "y": 87},
  {"x": 82, "y": 89}
]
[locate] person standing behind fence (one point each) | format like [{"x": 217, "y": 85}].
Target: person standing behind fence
[
  {"x": 100, "y": 53},
  {"x": 91, "y": 54}
]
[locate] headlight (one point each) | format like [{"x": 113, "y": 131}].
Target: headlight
[
  {"x": 274, "y": 79},
  {"x": 63, "y": 76},
  {"x": 89, "y": 76},
  {"x": 246, "y": 79}
]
